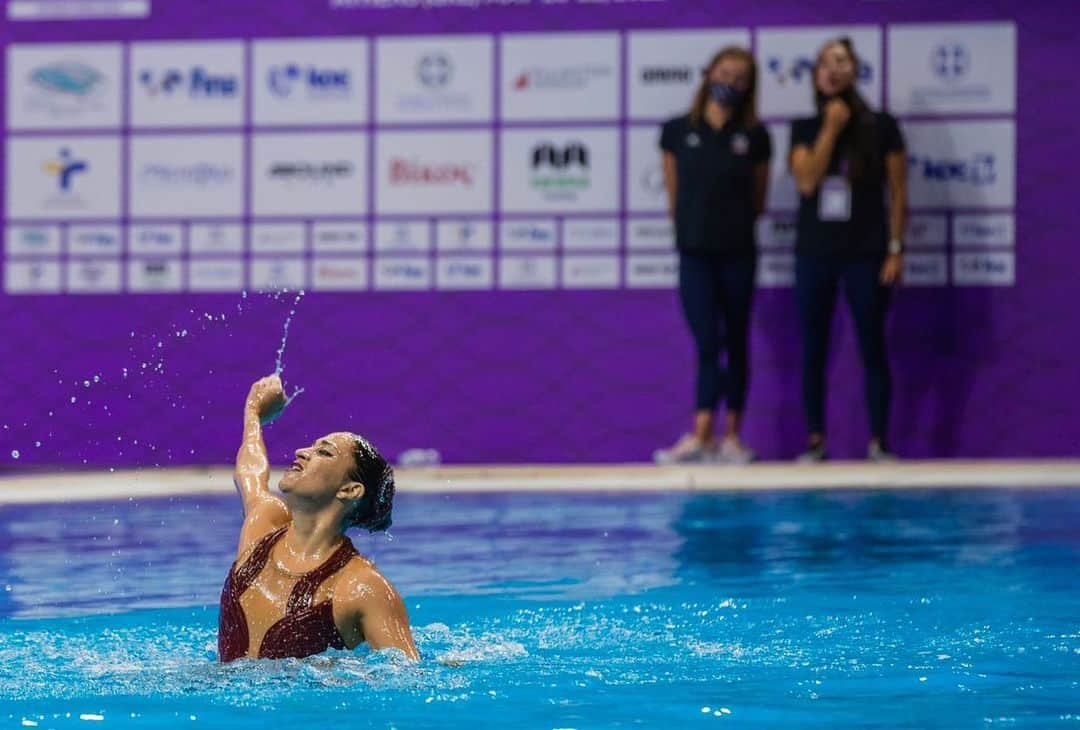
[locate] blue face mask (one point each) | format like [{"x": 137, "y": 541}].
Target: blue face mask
[{"x": 726, "y": 95}]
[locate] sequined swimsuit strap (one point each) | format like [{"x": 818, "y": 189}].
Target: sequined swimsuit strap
[
  {"x": 246, "y": 573},
  {"x": 303, "y": 593}
]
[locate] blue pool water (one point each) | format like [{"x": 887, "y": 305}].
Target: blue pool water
[{"x": 900, "y": 609}]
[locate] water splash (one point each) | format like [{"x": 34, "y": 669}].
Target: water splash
[{"x": 279, "y": 364}]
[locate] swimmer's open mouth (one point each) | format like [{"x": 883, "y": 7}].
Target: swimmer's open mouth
[{"x": 296, "y": 466}]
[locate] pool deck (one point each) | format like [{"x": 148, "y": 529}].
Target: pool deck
[{"x": 73, "y": 486}]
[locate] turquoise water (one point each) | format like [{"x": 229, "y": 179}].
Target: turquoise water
[{"x": 903, "y": 609}]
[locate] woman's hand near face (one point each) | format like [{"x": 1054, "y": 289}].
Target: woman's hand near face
[
  {"x": 837, "y": 114},
  {"x": 266, "y": 398}
]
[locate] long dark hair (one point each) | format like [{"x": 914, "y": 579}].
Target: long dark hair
[
  {"x": 377, "y": 476},
  {"x": 858, "y": 141},
  {"x": 746, "y": 113}
]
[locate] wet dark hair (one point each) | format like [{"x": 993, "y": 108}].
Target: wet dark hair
[
  {"x": 375, "y": 473},
  {"x": 859, "y": 140}
]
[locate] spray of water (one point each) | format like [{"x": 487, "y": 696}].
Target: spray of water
[{"x": 279, "y": 364}]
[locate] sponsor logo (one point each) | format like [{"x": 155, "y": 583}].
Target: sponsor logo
[
  {"x": 801, "y": 69},
  {"x": 403, "y": 274},
  {"x": 530, "y": 233},
  {"x": 563, "y": 78},
  {"x": 287, "y": 79},
  {"x": 435, "y": 79},
  {"x": 68, "y": 78},
  {"x": 94, "y": 240},
  {"x": 34, "y": 239},
  {"x": 206, "y": 273},
  {"x": 652, "y": 271},
  {"x": 776, "y": 270},
  {"x": 64, "y": 169},
  {"x": 693, "y": 140},
  {"x": 467, "y": 273},
  {"x": 435, "y": 70},
  {"x": 977, "y": 229},
  {"x": 332, "y": 274},
  {"x": 196, "y": 82},
  {"x": 978, "y": 170},
  {"x": 311, "y": 173},
  {"x": 925, "y": 269},
  {"x": 776, "y": 230},
  {"x": 405, "y": 171},
  {"x": 651, "y": 75},
  {"x": 984, "y": 268},
  {"x": 93, "y": 276},
  {"x": 156, "y": 237},
  {"x": 197, "y": 175},
  {"x": 334, "y": 238},
  {"x": 564, "y": 168},
  {"x": 652, "y": 180},
  {"x": 950, "y": 61}
]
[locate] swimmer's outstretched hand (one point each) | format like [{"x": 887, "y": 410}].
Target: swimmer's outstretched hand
[{"x": 266, "y": 398}]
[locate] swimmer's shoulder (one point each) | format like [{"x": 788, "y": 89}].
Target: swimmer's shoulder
[{"x": 360, "y": 583}]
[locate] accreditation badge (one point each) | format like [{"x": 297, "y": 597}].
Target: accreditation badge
[{"x": 834, "y": 199}]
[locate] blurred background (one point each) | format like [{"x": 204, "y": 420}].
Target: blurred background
[{"x": 470, "y": 197}]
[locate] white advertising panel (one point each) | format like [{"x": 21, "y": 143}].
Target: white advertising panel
[
  {"x": 786, "y": 58},
  {"x": 310, "y": 82},
  {"x": 189, "y": 176},
  {"x": 62, "y": 177},
  {"x": 563, "y": 170},
  {"x": 952, "y": 68},
  {"x": 560, "y": 76},
  {"x": 665, "y": 67},
  {"x": 961, "y": 164},
  {"x": 184, "y": 84},
  {"x": 63, "y": 85},
  {"x": 434, "y": 79},
  {"x": 313, "y": 173},
  {"x": 424, "y": 172},
  {"x": 645, "y": 192}
]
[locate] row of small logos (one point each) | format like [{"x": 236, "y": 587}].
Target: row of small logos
[
  {"x": 924, "y": 231},
  {"x": 344, "y": 237},
  {"x": 969, "y": 230},
  {"x": 953, "y": 164},
  {"x": 949, "y": 68},
  {"x": 336, "y": 273},
  {"x": 449, "y": 273}
]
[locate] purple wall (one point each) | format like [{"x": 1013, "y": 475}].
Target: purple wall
[{"x": 556, "y": 376}]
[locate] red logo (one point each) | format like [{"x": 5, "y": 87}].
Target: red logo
[{"x": 411, "y": 172}]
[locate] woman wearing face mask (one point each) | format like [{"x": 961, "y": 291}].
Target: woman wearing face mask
[
  {"x": 716, "y": 167},
  {"x": 842, "y": 160}
]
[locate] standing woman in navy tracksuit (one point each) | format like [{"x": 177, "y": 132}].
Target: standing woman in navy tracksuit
[
  {"x": 716, "y": 169},
  {"x": 842, "y": 159}
]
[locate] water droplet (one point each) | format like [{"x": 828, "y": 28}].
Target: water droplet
[
  {"x": 37, "y": 444},
  {"x": 86, "y": 383},
  {"x": 97, "y": 378},
  {"x": 72, "y": 399},
  {"x": 14, "y": 453}
]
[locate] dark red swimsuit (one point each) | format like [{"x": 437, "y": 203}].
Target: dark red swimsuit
[{"x": 305, "y": 629}]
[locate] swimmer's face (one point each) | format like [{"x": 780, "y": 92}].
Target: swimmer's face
[
  {"x": 321, "y": 471},
  {"x": 835, "y": 70}
]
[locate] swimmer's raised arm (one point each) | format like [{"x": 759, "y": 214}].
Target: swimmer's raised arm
[
  {"x": 263, "y": 512},
  {"x": 376, "y": 613}
]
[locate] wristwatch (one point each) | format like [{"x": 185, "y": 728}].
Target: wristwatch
[{"x": 896, "y": 246}]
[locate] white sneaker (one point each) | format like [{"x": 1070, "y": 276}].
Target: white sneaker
[
  {"x": 687, "y": 450},
  {"x": 734, "y": 451}
]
